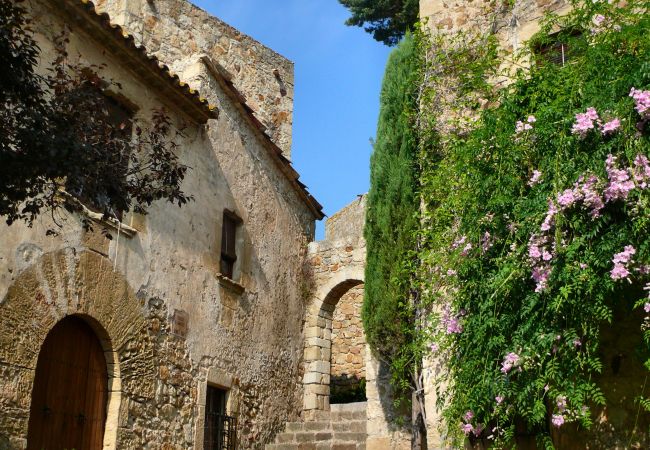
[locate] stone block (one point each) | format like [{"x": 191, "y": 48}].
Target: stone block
[
  {"x": 378, "y": 443},
  {"x": 311, "y": 401},
  {"x": 313, "y": 332},
  {"x": 349, "y": 436},
  {"x": 318, "y": 342},
  {"x": 313, "y": 354},
  {"x": 285, "y": 438},
  {"x": 294, "y": 426},
  {"x": 312, "y": 378},
  {"x": 344, "y": 446},
  {"x": 316, "y": 426},
  {"x": 319, "y": 389},
  {"x": 318, "y": 366}
]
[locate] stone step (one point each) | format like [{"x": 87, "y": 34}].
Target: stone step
[
  {"x": 346, "y": 434},
  {"x": 344, "y": 425},
  {"x": 318, "y": 446},
  {"x": 341, "y": 428}
]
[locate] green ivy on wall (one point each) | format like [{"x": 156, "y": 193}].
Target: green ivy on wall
[{"x": 535, "y": 229}]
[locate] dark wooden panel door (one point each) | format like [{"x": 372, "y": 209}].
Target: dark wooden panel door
[{"x": 70, "y": 391}]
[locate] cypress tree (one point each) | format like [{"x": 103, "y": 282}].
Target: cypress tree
[{"x": 392, "y": 218}]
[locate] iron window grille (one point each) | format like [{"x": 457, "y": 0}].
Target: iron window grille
[{"x": 220, "y": 432}]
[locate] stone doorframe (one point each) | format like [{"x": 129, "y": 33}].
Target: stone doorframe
[
  {"x": 318, "y": 336},
  {"x": 59, "y": 284}
]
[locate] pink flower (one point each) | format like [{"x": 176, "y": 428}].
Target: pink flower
[
  {"x": 434, "y": 348},
  {"x": 486, "y": 242},
  {"x": 646, "y": 307},
  {"x": 454, "y": 326},
  {"x": 534, "y": 251},
  {"x": 466, "y": 249},
  {"x": 509, "y": 362},
  {"x": 577, "y": 343},
  {"x": 541, "y": 275},
  {"x": 591, "y": 197},
  {"x": 641, "y": 171},
  {"x": 520, "y": 127},
  {"x": 561, "y": 403},
  {"x": 450, "y": 323},
  {"x": 585, "y": 122},
  {"x": 451, "y": 272},
  {"x": 479, "y": 429},
  {"x": 619, "y": 272},
  {"x": 499, "y": 399},
  {"x": 467, "y": 428},
  {"x": 620, "y": 184},
  {"x": 583, "y": 266},
  {"x": 598, "y": 19},
  {"x": 625, "y": 256},
  {"x": 621, "y": 261},
  {"x": 469, "y": 415},
  {"x": 642, "y": 100},
  {"x": 610, "y": 126},
  {"x": 550, "y": 216},
  {"x": 458, "y": 242},
  {"x": 535, "y": 179},
  {"x": 557, "y": 420},
  {"x": 568, "y": 197}
]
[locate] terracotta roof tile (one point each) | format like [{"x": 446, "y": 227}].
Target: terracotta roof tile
[{"x": 195, "y": 105}]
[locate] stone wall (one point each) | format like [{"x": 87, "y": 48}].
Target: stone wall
[
  {"x": 348, "y": 222},
  {"x": 178, "y": 33},
  {"x": 172, "y": 322},
  {"x": 348, "y": 365},
  {"x": 513, "y": 23}
]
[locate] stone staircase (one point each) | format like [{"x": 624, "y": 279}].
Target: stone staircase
[{"x": 341, "y": 428}]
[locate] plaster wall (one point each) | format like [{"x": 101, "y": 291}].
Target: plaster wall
[{"x": 169, "y": 322}]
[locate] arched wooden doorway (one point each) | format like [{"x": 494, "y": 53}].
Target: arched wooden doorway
[{"x": 70, "y": 391}]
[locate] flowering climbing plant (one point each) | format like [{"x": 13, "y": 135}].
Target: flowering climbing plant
[{"x": 535, "y": 237}]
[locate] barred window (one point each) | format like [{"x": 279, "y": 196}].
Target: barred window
[
  {"x": 220, "y": 431},
  {"x": 558, "y": 50}
]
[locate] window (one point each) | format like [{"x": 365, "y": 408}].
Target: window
[
  {"x": 558, "y": 50},
  {"x": 229, "y": 243},
  {"x": 220, "y": 431},
  {"x": 113, "y": 122}
]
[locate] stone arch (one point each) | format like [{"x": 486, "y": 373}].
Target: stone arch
[
  {"x": 318, "y": 334},
  {"x": 59, "y": 284}
]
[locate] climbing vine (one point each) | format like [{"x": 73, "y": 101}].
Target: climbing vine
[{"x": 536, "y": 216}]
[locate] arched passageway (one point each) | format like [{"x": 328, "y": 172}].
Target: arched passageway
[
  {"x": 70, "y": 392},
  {"x": 318, "y": 342},
  {"x": 347, "y": 362}
]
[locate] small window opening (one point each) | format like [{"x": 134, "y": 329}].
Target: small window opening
[
  {"x": 229, "y": 243},
  {"x": 557, "y": 50},
  {"x": 220, "y": 431}
]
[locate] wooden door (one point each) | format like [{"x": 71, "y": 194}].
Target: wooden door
[{"x": 70, "y": 390}]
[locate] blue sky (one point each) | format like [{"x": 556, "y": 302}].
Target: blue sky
[{"x": 338, "y": 72}]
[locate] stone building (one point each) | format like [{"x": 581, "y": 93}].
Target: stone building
[{"x": 188, "y": 323}]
